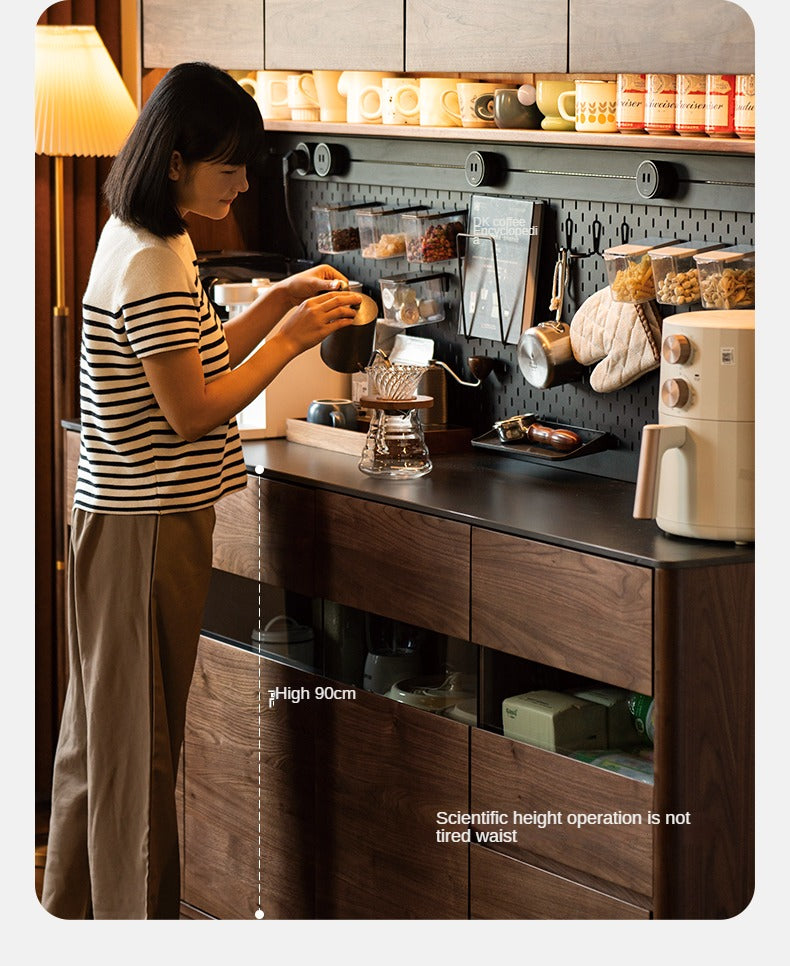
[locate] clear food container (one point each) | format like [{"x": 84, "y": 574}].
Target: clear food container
[
  {"x": 413, "y": 299},
  {"x": 727, "y": 278},
  {"x": 628, "y": 267},
  {"x": 430, "y": 236},
  {"x": 675, "y": 275},
  {"x": 336, "y": 227},
  {"x": 381, "y": 232}
]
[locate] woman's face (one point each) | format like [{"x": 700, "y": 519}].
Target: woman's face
[{"x": 206, "y": 188}]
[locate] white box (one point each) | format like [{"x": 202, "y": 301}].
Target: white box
[{"x": 554, "y": 720}]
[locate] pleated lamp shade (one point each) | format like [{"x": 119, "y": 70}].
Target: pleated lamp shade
[{"x": 83, "y": 107}]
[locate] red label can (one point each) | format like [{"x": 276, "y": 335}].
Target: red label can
[
  {"x": 690, "y": 111},
  {"x": 720, "y": 105},
  {"x": 660, "y": 101},
  {"x": 630, "y": 112},
  {"x": 744, "y": 105}
]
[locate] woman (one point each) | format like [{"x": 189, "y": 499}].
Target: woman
[{"x": 161, "y": 381}]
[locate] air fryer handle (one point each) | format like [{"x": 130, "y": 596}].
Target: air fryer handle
[{"x": 656, "y": 440}]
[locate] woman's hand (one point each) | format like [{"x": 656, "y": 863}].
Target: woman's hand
[
  {"x": 315, "y": 318},
  {"x": 313, "y": 281}
]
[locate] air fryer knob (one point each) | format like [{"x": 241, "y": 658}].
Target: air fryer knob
[
  {"x": 676, "y": 349},
  {"x": 675, "y": 393}
]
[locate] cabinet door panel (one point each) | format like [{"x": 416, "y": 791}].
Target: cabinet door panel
[
  {"x": 498, "y": 36},
  {"x": 269, "y": 525},
  {"x": 228, "y": 33},
  {"x": 571, "y": 610},
  {"x": 221, "y": 782},
  {"x": 356, "y": 35},
  {"x": 393, "y": 562},
  {"x": 706, "y": 37},
  {"x": 504, "y": 888},
  {"x": 386, "y": 770},
  {"x": 511, "y": 776}
]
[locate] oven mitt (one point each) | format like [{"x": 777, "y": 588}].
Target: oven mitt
[{"x": 623, "y": 338}]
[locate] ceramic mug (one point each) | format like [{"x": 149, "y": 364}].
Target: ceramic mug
[
  {"x": 507, "y": 111},
  {"x": 439, "y": 105},
  {"x": 594, "y": 106},
  {"x": 469, "y": 96},
  {"x": 333, "y": 412},
  {"x": 331, "y": 103},
  {"x": 546, "y": 94},
  {"x": 303, "y": 97},
  {"x": 398, "y": 100},
  {"x": 270, "y": 90},
  {"x": 359, "y": 109}
]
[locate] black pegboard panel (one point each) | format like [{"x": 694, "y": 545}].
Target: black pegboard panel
[{"x": 571, "y": 224}]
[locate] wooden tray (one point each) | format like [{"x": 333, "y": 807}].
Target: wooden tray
[{"x": 440, "y": 440}]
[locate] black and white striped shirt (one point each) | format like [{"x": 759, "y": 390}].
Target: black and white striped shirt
[{"x": 144, "y": 296}]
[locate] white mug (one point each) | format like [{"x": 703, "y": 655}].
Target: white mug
[
  {"x": 468, "y": 95},
  {"x": 332, "y": 104},
  {"x": 361, "y": 109},
  {"x": 595, "y": 106},
  {"x": 270, "y": 90},
  {"x": 439, "y": 102},
  {"x": 398, "y": 100},
  {"x": 303, "y": 97}
]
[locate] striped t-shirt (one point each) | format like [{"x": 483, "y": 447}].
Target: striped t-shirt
[{"x": 144, "y": 296}]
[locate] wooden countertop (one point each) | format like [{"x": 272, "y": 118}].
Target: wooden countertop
[{"x": 553, "y": 505}]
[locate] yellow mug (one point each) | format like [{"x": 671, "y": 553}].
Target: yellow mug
[{"x": 594, "y": 106}]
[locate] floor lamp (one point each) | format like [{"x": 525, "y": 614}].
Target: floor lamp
[{"x": 83, "y": 109}]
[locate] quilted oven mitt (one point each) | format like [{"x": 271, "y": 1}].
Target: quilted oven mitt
[{"x": 622, "y": 337}]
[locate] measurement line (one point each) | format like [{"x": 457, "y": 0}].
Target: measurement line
[{"x": 259, "y": 914}]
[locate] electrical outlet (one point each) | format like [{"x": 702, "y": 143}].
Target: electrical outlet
[
  {"x": 656, "y": 179},
  {"x": 330, "y": 159},
  {"x": 301, "y": 159},
  {"x": 484, "y": 168}
]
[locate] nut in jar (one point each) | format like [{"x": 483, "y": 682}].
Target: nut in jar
[{"x": 675, "y": 274}]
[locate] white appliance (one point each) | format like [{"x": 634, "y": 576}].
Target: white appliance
[
  {"x": 696, "y": 466},
  {"x": 289, "y": 395}
]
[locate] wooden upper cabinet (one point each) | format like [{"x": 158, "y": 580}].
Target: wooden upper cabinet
[
  {"x": 228, "y": 33},
  {"x": 674, "y": 36},
  {"x": 497, "y": 36},
  {"x": 344, "y": 35}
]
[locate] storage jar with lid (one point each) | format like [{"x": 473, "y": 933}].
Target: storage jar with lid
[
  {"x": 629, "y": 271},
  {"x": 675, "y": 275},
  {"x": 727, "y": 277},
  {"x": 336, "y": 227},
  {"x": 381, "y": 232},
  {"x": 413, "y": 299},
  {"x": 430, "y": 236}
]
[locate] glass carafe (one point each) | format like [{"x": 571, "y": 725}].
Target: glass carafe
[{"x": 395, "y": 444}]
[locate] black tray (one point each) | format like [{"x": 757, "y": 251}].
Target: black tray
[{"x": 592, "y": 441}]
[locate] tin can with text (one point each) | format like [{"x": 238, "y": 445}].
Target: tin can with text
[
  {"x": 691, "y": 101},
  {"x": 660, "y": 103},
  {"x": 630, "y": 112},
  {"x": 744, "y": 105},
  {"x": 720, "y": 105}
]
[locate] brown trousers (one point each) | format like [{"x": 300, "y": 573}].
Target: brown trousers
[{"x": 137, "y": 585}]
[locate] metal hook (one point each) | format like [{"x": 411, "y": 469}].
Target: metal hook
[{"x": 597, "y": 234}]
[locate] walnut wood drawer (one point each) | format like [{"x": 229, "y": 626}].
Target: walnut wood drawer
[
  {"x": 504, "y": 888},
  {"x": 510, "y": 776},
  {"x": 394, "y": 562},
  {"x": 266, "y": 531},
  {"x": 567, "y": 609}
]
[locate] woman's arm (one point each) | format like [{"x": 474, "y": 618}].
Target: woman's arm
[
  {"x": 247, "y": 329},
  {"x": 194, "y": 407}
]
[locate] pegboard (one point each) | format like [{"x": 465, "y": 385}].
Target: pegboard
[{"x": 568, "y": 223}]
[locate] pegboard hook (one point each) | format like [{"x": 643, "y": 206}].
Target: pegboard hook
[{"x": 597, "y": 233}]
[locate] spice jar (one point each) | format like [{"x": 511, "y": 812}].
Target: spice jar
[
  {"x": 675, "y": 274},
  {"x": 430, "y": 236},
  {"x": 381, "y": 233},
  {"x": 727, "y": 278}
]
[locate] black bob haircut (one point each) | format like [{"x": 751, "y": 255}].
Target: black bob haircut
[{"x": 199, "y": 111}]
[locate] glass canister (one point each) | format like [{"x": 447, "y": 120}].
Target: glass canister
[
  {"x": 727, "y": 277},
  {"x": 629, "y": 270},
  {"x": 430, "y": 236},
  {"x": 675, "y": 274},
  {"x": 381, "y": 233},
  {"x": 336, "y": 227},
  {"x": 413, "y": 299}
]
